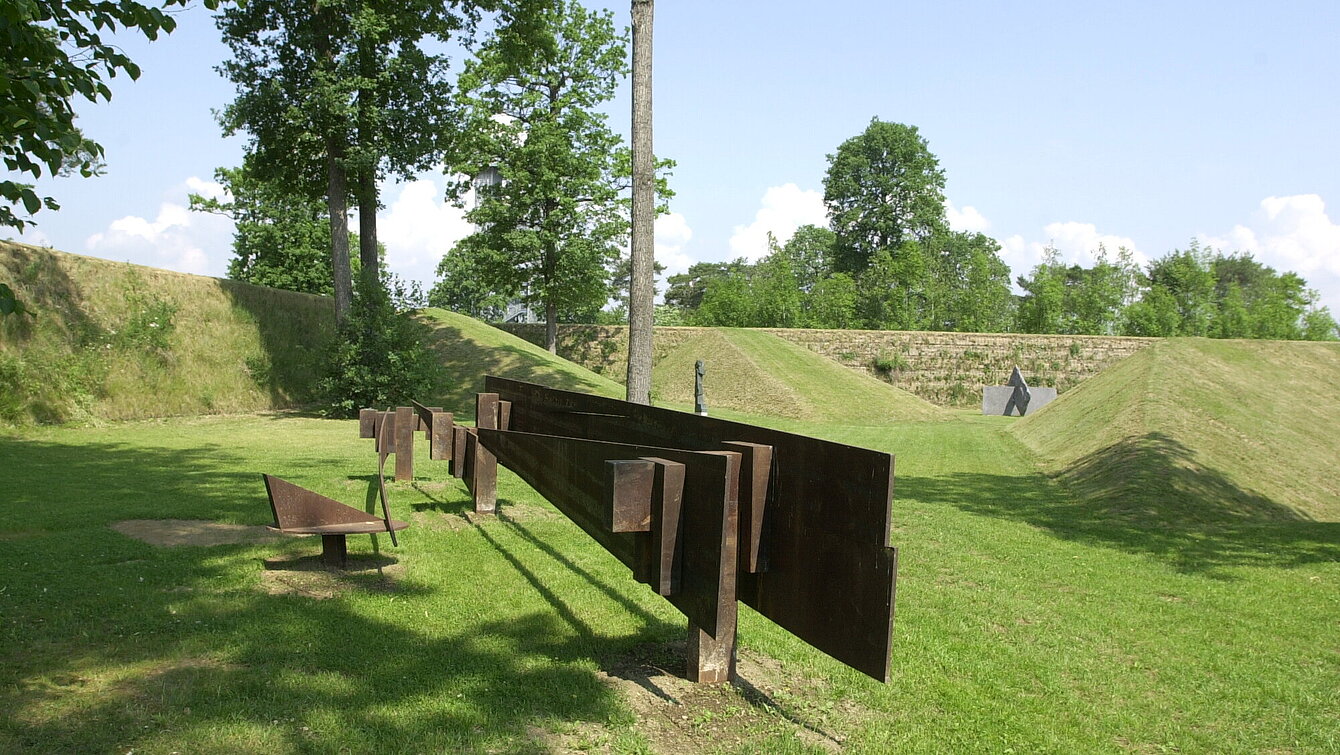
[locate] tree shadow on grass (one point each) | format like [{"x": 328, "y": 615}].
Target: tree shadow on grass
[
  {"x": 1146, "y": 496},
  {"x": 110, "y": 643}
]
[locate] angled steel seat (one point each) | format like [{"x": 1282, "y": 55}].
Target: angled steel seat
[{"x": 299, "y": 511}]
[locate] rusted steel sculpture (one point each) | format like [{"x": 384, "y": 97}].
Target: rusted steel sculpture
[
  {"x": 299, "y": 511},
  {"x": 401, "y": 425},
  {"x": 707, "y": 511}
]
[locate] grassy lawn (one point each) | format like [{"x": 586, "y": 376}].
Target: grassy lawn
[{"x": 1021, "y": 627}]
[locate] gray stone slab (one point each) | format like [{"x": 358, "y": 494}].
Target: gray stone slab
[{"x": 997, "y": 400}]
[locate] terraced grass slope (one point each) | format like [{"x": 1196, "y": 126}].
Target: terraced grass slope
[
  {"x": 759, "y": 373},
  {"x": 470, "y": 349},
  {"x": 1205, "y": 431}
]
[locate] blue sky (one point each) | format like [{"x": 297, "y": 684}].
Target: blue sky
[{"x": 1142, "y": 125}]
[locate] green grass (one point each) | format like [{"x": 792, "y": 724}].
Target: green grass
[
  {"x": 1013, "y": 633},
  {"x": 117, "y": 341},
  {"x": 1199, "y": 431},
  {"x": 470, "y": 349},
  {"x": 753, "y": 371}
]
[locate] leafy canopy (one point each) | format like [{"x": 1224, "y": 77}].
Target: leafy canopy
[{"x": 52, "y": 52}]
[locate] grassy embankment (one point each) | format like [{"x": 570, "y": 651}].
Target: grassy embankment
[
  {"x": 119, "y": 341},
  {"x": 1015, "y": 631}
]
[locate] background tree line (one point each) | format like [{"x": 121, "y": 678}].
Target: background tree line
[{"x": 888, "y": 261}]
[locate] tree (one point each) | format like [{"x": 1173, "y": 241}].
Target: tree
[
  {"x": 281, "y": 240},
  {"x": 883, "y": 189},
  {"x": 336, "y": 95},
  {"x": 810, "y": 251},
  {"x": 686, "y": 290},
  {"x": 641, "y": 290},
  {"x": 54, "y": 51},
  {"x": 968, "y": 285},
  {"x": 553, "y": 225}
]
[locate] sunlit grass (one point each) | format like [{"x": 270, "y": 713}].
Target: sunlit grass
[{"x": 1013, "y": 631}]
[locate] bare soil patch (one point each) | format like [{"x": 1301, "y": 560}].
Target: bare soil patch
[
  {"x": 678, "y": 716},
  {"x": 174, "y": 533},
  {"x": 310, "y": 577}
]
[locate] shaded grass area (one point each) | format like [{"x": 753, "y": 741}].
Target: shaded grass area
[
  {"x": 754, "y": 371},
  {"x": 1020, "y": 624},
  {"x": 469, "y": 349},
  {"x": 116, "y": 341},
  {"x": 1204, "y": 431}
]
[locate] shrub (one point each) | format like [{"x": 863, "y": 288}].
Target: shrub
[
  {"x": 886, "y": 363},
  {"x": 377, "y": 359}
]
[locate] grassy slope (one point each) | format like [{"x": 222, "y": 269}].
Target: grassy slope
[
  {"x": 470, "y": 349},
  {"x": 230, "y": 346},
  {"x": 1203, "y": 431},
  {"x": 752, "y": 371},
  {"x": 1012, "y": 633}
]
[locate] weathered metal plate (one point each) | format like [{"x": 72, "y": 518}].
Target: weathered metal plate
[
  {"x": 830, "y": 573},
  {"x": 296, "y": 508},
  {"x": 571, "y": 474}
]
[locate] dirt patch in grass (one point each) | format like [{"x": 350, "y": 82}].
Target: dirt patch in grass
[
  {"x": 174, "y": 533},
  {"x": 764, "y": 704},
  {"x": 310, "y": 577}
]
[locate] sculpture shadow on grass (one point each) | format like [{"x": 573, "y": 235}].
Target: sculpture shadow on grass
[
  {"x": 113, "y": 643},
  {"x": 1146, "y": 496}
]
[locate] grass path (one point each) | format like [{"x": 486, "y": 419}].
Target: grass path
[{"x": 1013, "y": 632}]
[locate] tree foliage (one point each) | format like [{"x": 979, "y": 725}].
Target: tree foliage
[
  {"x": 53, "y": 52},
  {"x": 883, "y": 189},
  {"x": 281, "y": 238},
  {"x": 379, "y": 358},
  {"x": 551, "y": 229},
  {"x": 339, "y": 94}
]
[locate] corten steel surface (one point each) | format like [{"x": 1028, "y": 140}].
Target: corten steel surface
[
  {"x": 820, "y": 539},
  {"x": 437, "y": 427},
  {"x": 481, "y": 465},
  {"x": 689, "y": 497},
  {"x": 298, "y": 510},
  {"x": 405, "y": 425}
]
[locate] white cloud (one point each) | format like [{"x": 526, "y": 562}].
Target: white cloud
[
  {"x": 418, "y": 227},
  {"x": 1292, "y": 233},
  {"x": 785, "y": 208},
  {"x": 967, "y": 220},
  {"x": 1076, "y": 242},
  {"x": 176, "y": 239},
  {"x": 672, "y": 234}
]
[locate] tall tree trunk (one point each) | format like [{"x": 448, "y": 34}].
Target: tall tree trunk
[
  {"x": 367, "y": 170},
  {"x": 551, "y": 326},
  {"x": 337, "y": 192},
  {"x": 641, "y": 285},
  {"x": 367, "y": 225}
]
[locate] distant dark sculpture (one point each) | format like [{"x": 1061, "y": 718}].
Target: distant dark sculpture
[
  {"x": 1015, "y": 398},
  {"x": 707, "y": 512},
  {"x": 699, "y": 397}
]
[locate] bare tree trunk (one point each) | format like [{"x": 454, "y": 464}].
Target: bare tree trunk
[
  {"x": 337, "y": 192},
  {"x": 551, "y": 326},
  {"x": 367, "y": 226},
  {"x": 641, "y": 285},
  {"x": 367, "y": 171}
]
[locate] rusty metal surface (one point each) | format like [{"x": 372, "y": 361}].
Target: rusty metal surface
[
  {"x": 626, "y": 504},
  {"x": 302, "y": 511},
  {"x": 826, "y": 571},
  {"x": 405, "y": 424},
  {"x": 483, "y": 474},
  {"x": 571, "y": 474}
]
